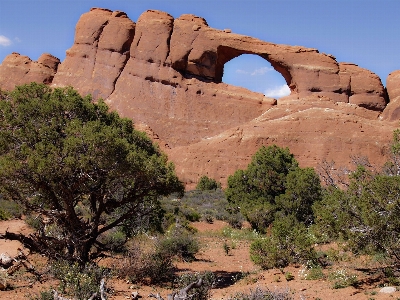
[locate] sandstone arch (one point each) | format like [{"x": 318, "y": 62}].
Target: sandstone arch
[
  {"x": 165, "y": 74},
  {"x": 256, "y": 74}
]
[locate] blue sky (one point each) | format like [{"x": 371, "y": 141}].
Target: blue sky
[{"x": 364, "y": 32}]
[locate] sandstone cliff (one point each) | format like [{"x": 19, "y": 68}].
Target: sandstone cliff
[{"x": 166, "y": 74}]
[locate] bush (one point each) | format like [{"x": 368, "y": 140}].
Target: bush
[
  {"x": 4, "y": 215},
  {"x": 114, "y": 240},
  {"x": 9, "y": 209},
  {"x": 365, "y": 215},
  {"x": 202, "y": 292},
  {"x": 206, "y": 184},
  {"x": 288, "y": 243},
  {"x": 273, "y": 183},
  {"x": 148, "y": 266},
  {"x": 180, "y": 243},
  {"x": 77, "y": 281},
  {"x": 342, "y": 278},
  {"x": 235, "y": 220},
  {"x": 43, "y": 295},
  {"x": 264, "y": 294}
]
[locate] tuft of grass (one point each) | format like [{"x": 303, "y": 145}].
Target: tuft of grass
[
  {"x": 342, "y": 278},
  {"x": 264, "y": 293}
]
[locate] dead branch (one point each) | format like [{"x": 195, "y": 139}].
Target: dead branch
[{"x": 182, "y": 294}]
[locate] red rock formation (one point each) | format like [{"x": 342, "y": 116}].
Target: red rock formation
[
  {"x": 392, "y": 111},
  {"x": 166, "y": 75},
  {"x": 17, "y": 69},
  {"x": 100, "y": 51}
]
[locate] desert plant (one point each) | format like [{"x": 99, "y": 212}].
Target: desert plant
[
  {"x": 58, "y": 150},
  {"x": 206, "y": 183},
  {"x": 289, "y": 242},
  {"x": 178, "y": 243},
  {"x": 145, "y": 264},
  {"x": 43, "y": 295},
  {"x": 311, "y": 271},
  {"x": 260, "y": 293},
  {"x": 342, "y": 278},
  {"x": 273, "y": 183},
  {"x": 77, "y": 280},
  {"x": 114, "y": 240}
]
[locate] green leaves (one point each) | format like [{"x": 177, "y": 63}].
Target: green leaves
[
  {"x": 273, "y": 183},
  {"x": 69, "y": 151}
]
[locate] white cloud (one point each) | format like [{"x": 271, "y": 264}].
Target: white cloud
[
  {"x": 256, "y": 72},
  {"x": 260, "y": 71},
  {"x": 18, "y": 40},
  {"x": 239, "y": 71},
  {"x": 5, "y": 41},
  {"x": 278, "y": 92}
]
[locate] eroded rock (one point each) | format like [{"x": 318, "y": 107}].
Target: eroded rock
[
  {"x": 19, "y": 69},
  {"x": 165, "y": 74}
]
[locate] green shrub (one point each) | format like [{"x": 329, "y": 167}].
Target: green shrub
[
  {"x": 35, "y": 222},
  {"x": 342, "y": 278},
  {"x": 264, "y": 294},
  {"x": 273, "y": 183},
  {"x": 78, "y": 281},
  {"x": 206, "y": 184},
  {"x": 4, "y": 215},
  {"x": 288, "y": 243},
  {"x": 235, "y": 220},
  {"x": 179, "y": 243},
  {"x": 150, "y": 267},
  {"x": 202, "y": 292},
  {"x": 10, "y": 209},
  {"x": 114, "y": 240},
  {"x": 311, "y": 271},
  {"x": 43, "y": 295}
]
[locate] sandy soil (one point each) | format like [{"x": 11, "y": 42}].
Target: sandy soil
[{"x": 212, "y": 257}]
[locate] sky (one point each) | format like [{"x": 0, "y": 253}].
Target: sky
[{"x": 364, "y": 32}]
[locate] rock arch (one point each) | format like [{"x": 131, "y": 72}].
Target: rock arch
[{"x": 255, "y": 73}]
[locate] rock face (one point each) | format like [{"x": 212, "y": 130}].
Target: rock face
[
  {"x": 17, "y": 69},
  {"x": 166, "y": 74},
  {"x": 392, "y": 111},
  {"x": 100, "y": 52}
]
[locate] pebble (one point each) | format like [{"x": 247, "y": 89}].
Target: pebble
[{"x": 387, "y": 290}]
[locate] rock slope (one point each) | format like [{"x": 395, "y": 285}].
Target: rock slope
[{"x": 165, "y": 74}]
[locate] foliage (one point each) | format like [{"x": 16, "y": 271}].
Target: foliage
[
  {"x": 114, "y": 239},
  {"x": 264, "y": 294},
  {"x": 43, "y": 295},
  {"x": 206, "y": 184},
  {"x": 146, "y": 265},
  {"x": 288, "y": 243},
  {"x": 9, "y": 209},
  {"x": 273, "y": 183},
  {"x": 201, "y": 293},
  {"x": 76, "y": 280},
  {"x": 4, "y": 215},
  {"x": 59, "y": 151},
  {"x": 365, "y": 215},
  {"x": 342, "y": 278},
  {"x": 178, "y": 243},
  {"x": 311, "y": 271},
  {"x": 194, "y": 206},
  {"x": 303, "y": 189}
]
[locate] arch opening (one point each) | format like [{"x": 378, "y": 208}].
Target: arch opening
[{"x": 256, "y": 74}]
